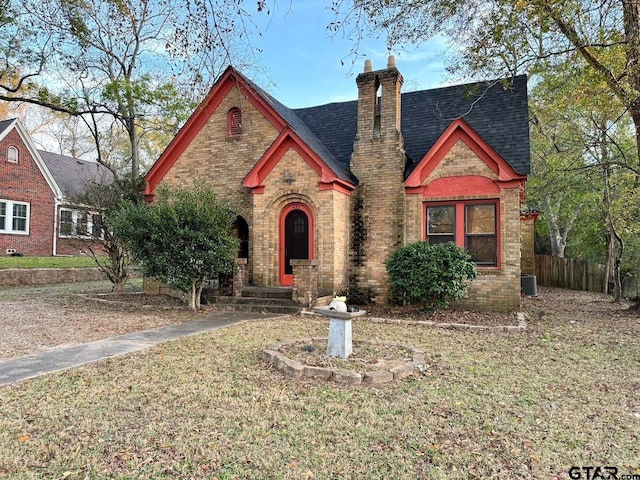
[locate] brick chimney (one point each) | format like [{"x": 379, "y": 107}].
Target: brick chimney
[
  {"x": 378, "y": 160},
  {"x": 379, "y": 100}
]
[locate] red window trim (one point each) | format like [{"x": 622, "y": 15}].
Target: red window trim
[{"x": 460, "y": 234}]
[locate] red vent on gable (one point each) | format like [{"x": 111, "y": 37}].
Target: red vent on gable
[{"x": 234, "y": 118}]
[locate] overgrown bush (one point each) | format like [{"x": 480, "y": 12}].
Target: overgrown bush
[{"x": 431, "y": 275}]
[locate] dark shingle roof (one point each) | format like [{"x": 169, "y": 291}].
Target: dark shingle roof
[
  {"x": 72, "y": 174},
  {"x": 497, "y": 113},
  {"x": 4, "y": 124},
  {"x": 307, "y": 134}
]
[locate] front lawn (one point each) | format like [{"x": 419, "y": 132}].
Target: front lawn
[
  {"x": 566, "y": 393},
  {"x": 79, "y": 261}
]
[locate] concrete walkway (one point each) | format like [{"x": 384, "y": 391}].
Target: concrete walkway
[{"x": 31, "y": 366}]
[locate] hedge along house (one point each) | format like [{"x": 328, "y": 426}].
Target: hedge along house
[{"x": 341, "y": 186}]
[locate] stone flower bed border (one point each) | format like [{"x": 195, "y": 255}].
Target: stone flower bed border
[
  {"x": 272, "y": 356},
  {"x": 522, "y": 324}
]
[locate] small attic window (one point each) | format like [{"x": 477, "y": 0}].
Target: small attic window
[
  {"x": 234, "y": 120},
  {"x": 12, "y": 155}
]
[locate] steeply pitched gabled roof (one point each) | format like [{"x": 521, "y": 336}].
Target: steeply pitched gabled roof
[
  {"x": 308, "y": 135},
  {"x": 5, "y": 124},
  {"x": 67, "y": 176},
  {"x": 73, "y": 175},
  {"x": 497, "y": 111}
]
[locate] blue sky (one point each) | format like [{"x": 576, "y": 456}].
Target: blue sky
[{"x": 309, "y": 66}]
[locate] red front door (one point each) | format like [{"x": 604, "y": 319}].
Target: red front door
[{"x": 296, "y": 238}]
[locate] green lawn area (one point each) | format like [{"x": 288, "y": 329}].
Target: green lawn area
[
  {"x": 46, "y": 262},
  {"x": 490, "y": 406}
]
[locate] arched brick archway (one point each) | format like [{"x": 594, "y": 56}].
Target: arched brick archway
[{"x": 296, "y": 238}]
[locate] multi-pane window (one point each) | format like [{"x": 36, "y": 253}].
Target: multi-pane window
[
  {"x": 19, "y": 220},
  {"x": 77, "y": 223},
  {"x": 98, "y": 227},
  {"x": 480, "y": 233},
  {"x": 12, "y": 155},
  {"x": 441, "y": 224},
  {"x": 82, "y": 224},
  {"x": 470, "y": 225},
  {"x": 66, "y": 223},
  {"x": 14, "y": 217}
]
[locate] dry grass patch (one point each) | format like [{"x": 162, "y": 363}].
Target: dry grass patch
[
  {"x": 38, "y": 318},
  {"x": 507, "y": 406}
]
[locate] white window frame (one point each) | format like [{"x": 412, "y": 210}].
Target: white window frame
[
  {"x": 8, "y": 217},
  {"x": 13, "y": 154},
  {"x": 74, "y": 219}
]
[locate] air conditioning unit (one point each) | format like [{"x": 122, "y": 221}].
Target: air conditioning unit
[
  {"x": 10, "y": 251},
  {"x": 528, "y": 285}
]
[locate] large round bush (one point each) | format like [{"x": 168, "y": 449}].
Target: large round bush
[{"x": 428, "y": 274}]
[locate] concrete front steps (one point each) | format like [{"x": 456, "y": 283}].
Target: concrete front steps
[{"x": 256, "y": 299}]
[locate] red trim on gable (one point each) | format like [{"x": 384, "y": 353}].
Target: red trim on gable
[
  {"x": 460, "y": 130},
  {"x": 460, "y": 186},
  {"x": 338, "y": 186},
  {"x": 286, "y": 279},
  {"x": 229, "y": 79},
  {"x": 287, "y": 140}
]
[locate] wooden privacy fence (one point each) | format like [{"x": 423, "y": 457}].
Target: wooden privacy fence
[
  {"x": 579, "y": 275},
  {"x": 569, "y": 273}
]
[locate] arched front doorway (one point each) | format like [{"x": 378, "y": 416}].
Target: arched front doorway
[
  {"x": 296, "y": 238},
  {"x": 241, "y": 231}
]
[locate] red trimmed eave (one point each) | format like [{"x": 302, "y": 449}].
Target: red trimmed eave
[
  {"x": 531, "y": 216},
  {"x": 460, "y": 130},
  {"x": 229, "y": 79},
  {"x": 287, "y": 140}
]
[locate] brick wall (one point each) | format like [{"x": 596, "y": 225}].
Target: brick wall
[
  {"x": 24, "y": 182},
  {"x": 378, "y": 162},
  {"x": 493, "y": 289},
  {"x": 527, "y": 240},
  {"x": 330, "y": 212},
  {"x": 223, "y": 162}
]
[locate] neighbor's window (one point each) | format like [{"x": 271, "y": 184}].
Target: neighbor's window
[
  {"x": 234, "y": 119},
  {"x": 12, "y": 155},
  {"x": 14, "y": 217},
  {"x": 66, "y": 223},
  {"x": 470, "y": 225},
  {"x": 82, "y": 224},
  {"x": 78, "y": 223},
  {"x": 3, "y": 215},
  {"x": 98, "y": 227}
]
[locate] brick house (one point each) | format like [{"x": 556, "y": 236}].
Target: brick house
[
  {"x": 337, "y": 188},
  {"x": 35, "y": 191}
]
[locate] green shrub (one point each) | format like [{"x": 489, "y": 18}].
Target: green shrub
[{"x": 430, "y": 274}]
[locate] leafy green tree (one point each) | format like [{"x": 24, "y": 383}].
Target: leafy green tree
[
  {"x": 105, "y": 247},
  {"x": 132, "y": 67},
  {"x": 428, "y": 274},
  {"x": 184, "y": 239},
  {"x": 599, "y": 41}
]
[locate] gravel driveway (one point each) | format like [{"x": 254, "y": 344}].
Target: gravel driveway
[{"x": 37, "y": 318}]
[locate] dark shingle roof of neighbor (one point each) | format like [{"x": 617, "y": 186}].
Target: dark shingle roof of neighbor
[
  {"x": 497, "y": 111},
  {"x": 72, "y": 174},
  {"x": 4, "y": 124}
]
